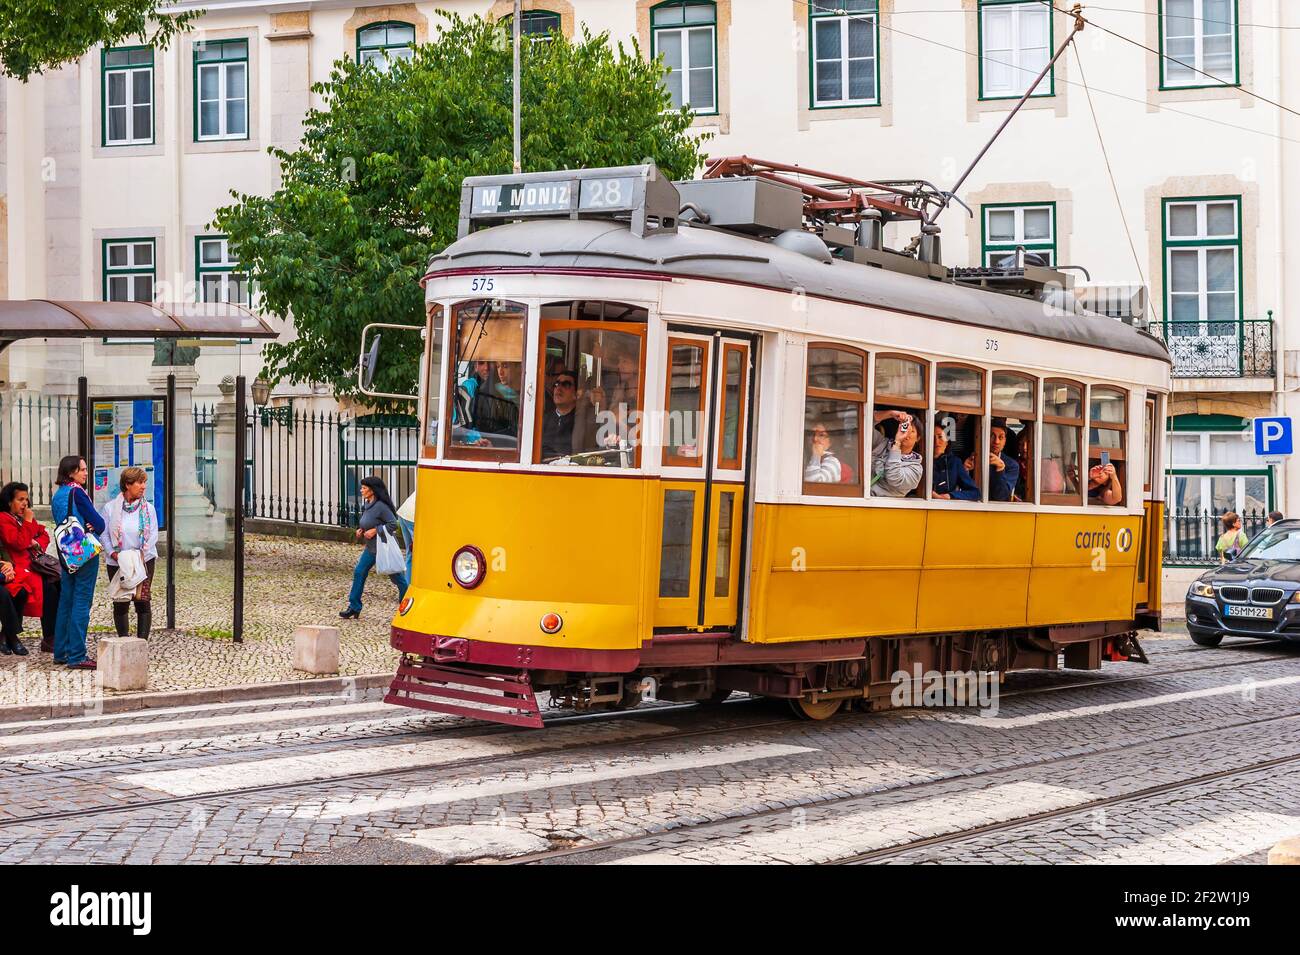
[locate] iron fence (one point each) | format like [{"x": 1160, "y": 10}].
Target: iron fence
[
  {"x": 35, "y": 432},
  {"x": 305, "y": 467},
  {"x": 1190, "y": 534},
  {"x": 1229, "y": 349}
]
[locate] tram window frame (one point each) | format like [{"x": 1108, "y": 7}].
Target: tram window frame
[
  {"x": 856, "y": 487},
  {"x": 1080, "y": 425},
  {"x": 623, "y": 325},
  {"x": 668, "y": 458},
  {"x": 955, "y": 408},
  {"x": 1118, "y": 455},
  {"x": 734, "y": 462},
  {"x": 1149, "y": 447},
  {"x": 453, "y": 452},
  {"x": 1027, "y": 462},
  {"x": 434, "y": 351},
  {"x": 925, "y": 443}
]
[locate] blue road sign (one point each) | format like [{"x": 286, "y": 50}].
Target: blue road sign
[{"x": 1272, "y": 436}]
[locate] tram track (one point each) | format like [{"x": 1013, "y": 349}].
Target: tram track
[
  {"x": 704, "y": 826},
  {"x": 464, "y": 729}
]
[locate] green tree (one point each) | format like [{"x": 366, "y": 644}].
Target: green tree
[
  {"x": 39, "y": 35},
  {"x": 374, "y": 188}
]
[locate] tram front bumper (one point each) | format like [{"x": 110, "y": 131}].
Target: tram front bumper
[{"x": 451, "y": 650}]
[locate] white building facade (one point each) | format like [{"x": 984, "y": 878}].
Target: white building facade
[{"x": 111, "y": 168}]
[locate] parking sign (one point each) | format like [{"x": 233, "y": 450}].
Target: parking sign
[{"x": 1272, "y": 437}]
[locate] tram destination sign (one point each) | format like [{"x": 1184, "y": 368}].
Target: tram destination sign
[{"x": 625, "y": 190}]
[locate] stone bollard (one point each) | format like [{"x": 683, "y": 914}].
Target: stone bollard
[
  {"x": 316, "y": 649},
  {"x": 1286, "y": 852},
  {"x": 124, "y": 663}
]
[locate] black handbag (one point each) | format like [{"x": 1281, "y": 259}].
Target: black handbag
[{"x": 45, "y": 565}]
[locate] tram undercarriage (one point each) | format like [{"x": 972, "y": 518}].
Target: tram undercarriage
[{"x": 473, "y": 679}]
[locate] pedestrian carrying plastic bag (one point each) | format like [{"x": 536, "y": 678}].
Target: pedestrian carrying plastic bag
[
  {"x": 75, "y": 544},
  {"x": 389, "y": 556}
]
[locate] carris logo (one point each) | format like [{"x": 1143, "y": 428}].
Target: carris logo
[{"x": 103, "y": 908}]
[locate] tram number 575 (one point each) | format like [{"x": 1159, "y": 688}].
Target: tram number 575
[
  {"x": 990, "y": 344},
  {"x": 483, "y": 283}
]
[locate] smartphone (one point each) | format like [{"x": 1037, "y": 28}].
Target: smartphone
[{"x": 1105, "y": 458}]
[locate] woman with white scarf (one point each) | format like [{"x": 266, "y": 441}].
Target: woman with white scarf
[{"x": 131, "y": 548}]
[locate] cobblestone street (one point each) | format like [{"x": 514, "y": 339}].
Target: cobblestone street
[{"x": 1194, "y": 758}]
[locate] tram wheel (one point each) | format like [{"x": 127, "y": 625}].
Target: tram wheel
[
  {"x": 716, "y": 698},
  {"x": 821, "y": 710}
]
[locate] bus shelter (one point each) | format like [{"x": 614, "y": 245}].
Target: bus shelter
[{"x": 117, "y": 382}]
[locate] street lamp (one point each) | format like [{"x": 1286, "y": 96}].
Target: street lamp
[{"x": 261, "y": 392}]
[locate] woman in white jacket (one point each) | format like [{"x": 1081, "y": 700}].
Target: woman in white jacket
[{"x": 132, "y": 525}]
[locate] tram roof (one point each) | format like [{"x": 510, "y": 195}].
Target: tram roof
[{"x": 711, "y": 254}]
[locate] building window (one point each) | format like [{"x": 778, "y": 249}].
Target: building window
[
  {"x": 380, "y": 44},
  {"x": 1008, "y": 227},
  {"x": 1198, "y": 37},
  {"x": 1212, "y": 470},
  {"x": 130, "y": 267},
  {"x": 221, "y": 89},
  {"x": 1202, "y": 266},
  {"x": 534, "y": 24},
  {"x": 686, "y": 36},
  {"x": 845, "y": 53},
  {"x": 128, "y": 96},
  {"x": 1015, "y": 45},
  {"x": 219, "y": 278}
]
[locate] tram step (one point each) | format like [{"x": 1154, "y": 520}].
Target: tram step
[{"x": 495, "y": 696}]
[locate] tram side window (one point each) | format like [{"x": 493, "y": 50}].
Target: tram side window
[
  {"x": 1062, "y": 442},
  {"x": 1011, "y": 436},
  {"x": 487, "y": 380},
  {"x": 834, "y": 403},
  {"x": 1107, "y": 431},
  {"x": 959, "y": 468},
  {"x": 590, "y": 411},
  {"x": 897, "y": 441},
  {"x": 433, "y": 392}
]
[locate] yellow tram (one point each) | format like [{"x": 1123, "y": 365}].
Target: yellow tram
[{"x": 693, "y": 438}]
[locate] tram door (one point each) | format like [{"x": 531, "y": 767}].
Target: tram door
[
  {"x": 1150, "y": 550},
  {"x": 706, "y": 430}
]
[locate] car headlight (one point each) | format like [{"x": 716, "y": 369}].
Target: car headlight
[
  {"x": 1201, "y": 589},
  {"x": 468, "y": 567},
  {"x": 1295, "y": 597}
]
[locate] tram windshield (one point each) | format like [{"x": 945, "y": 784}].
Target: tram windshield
[
  {"x": 487, "y": 378},
  {"x": 590, "y": 402}
]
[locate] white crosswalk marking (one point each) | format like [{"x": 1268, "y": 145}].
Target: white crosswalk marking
[
  {"x": 623, "y": 767},
  {"x": 1016, "y": 722},
  {"x": 1209, "y": 842},
  {"x": 196, "y": 725},
  {"x": 374, "y": 759},
  {"x": 850, "y": 833}
]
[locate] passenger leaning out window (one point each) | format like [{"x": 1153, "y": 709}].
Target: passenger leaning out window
[
  {"x": 1004, "y": 469},
  {"x": 896, "y": 466},
  {"x": 951, "y": 479},
  {"x": 1104, "y": 486}
]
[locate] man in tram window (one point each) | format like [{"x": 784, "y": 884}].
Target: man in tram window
[
  {"x": 823, "y": 466},
  {"x": 1004, "y": 469},
  {"x": 569, "y": 424},
  {"x": 952, "y": 482},
  {"x": 896, "y": 467}
]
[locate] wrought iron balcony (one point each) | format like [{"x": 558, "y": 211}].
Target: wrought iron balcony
[{"x": 1242, "y": 349}]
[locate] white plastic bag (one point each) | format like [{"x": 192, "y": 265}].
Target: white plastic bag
[{"x": 389, "y": 557}]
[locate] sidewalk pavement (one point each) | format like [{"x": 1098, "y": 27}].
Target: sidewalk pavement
[{"x": 288, "y": 583}]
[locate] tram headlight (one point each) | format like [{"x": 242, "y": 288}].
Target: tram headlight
[
  {"x": 1201, "y": 589},
  {"x": 469, "y": 567}
]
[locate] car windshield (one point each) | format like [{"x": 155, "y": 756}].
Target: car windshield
[{"x": 1275, "y": 545}]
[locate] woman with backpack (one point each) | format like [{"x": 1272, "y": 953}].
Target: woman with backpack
[
  {"x": 1233, "y": 539},
  {"x": 70, "y": 502}
]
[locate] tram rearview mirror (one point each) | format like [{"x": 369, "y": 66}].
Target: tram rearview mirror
[{"x": 370, "y": 363}]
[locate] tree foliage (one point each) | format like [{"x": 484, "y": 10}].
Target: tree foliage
[
  {"x": 39, "y": 35},
  {"x": 374, "y": 188}
]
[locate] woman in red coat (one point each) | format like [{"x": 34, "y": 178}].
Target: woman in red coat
[{"x": 19, "y": 531}]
